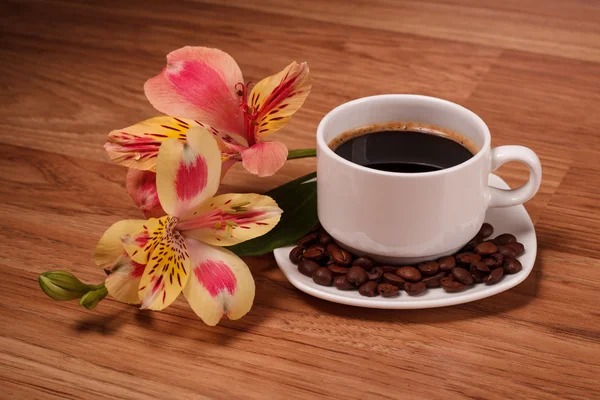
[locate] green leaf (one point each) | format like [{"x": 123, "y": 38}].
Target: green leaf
[{"x": 298, "y": 200}]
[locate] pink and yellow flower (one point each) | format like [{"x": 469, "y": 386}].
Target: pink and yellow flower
[
  {"x": 152, "y": 261},
  {"x": 205, "y": 87}
]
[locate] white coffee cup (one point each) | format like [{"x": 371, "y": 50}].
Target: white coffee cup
[{"x": 410, "y": 217}]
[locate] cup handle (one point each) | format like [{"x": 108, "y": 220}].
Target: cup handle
[{"x": 511, "y": 197}]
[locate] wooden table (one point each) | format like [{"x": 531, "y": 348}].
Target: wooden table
[{"x": 73, "y": 71}]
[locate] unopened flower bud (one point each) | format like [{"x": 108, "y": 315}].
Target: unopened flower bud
[
  {"x": 60, "y": 285},
  {"x": 91, "y": 299}
]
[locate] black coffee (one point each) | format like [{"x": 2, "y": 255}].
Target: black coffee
[{"x": 403, "y": 151}]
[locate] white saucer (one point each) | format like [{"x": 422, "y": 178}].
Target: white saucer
[{"x": 513, "y": 220}]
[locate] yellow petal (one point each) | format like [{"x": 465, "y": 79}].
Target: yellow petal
[
  {"x": 140, "y": 243},
  {"x": 220, "y": 283},
  {"x": 275, "y": 99},
  {"x": 124, "y": 280},
  {"x": 188, "y": 173},
  {"x": 229, "y": 219},
  {"x": 110, "y": 246},
  {"x": 137, "y": 146},
  {"x": 167, "y": 271}
]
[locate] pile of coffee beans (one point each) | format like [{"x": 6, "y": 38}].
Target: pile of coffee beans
[{"x": 481, "y": 260}]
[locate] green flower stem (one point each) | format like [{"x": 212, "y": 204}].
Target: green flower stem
[{"x": 301, "y": 153}]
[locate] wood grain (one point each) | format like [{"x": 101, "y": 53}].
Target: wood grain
[{"x": 73, "y": 71}]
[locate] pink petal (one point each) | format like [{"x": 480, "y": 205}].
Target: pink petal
[
  {"x": 188, "y": 173},
  {"x": 199, "y": 83},
  {"x": 226, "y": 165},
  {"x": 221, "y": 283},
  {"x": 216, "y": 277},
  {"x": 264, "y": 158},
  {"x": 141, "y": 187},
  {"x": 229, "y": 219}
]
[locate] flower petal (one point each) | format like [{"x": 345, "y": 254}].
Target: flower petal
[
  {"x": 276, "y": 98},
  {"x": 110, "y": 246},
  {"x": 199, "y": 83},
  {"x": 167, "y": 271},
  {"x": 137, "y": 146},
  {"x": 188, "y": 173},
  {"x": 229, "y": 219},
  {"x": 141, "y": 187},
  {"x": 141, "y": 243},
  {"x": 221, "y": 283},
  {"x": 264, "y": 158},
  {"x": 124, "y": 280}
]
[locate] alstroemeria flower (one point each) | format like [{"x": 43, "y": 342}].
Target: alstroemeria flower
[
  {"x": 204, "y": 87},
  {"x": 152, "y": 261}
]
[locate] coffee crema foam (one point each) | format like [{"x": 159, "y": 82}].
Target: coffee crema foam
[{"x": 404, "y": 126}]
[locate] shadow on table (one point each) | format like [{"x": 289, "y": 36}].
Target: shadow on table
[
  {"x": 110, "y": 324},
  {"x": 513, "y": 299},
  {"x": 175, "y": 322}
]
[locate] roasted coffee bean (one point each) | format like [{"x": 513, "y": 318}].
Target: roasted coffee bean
[
  {"x": 315, "y": 252},
  {"x": 477, "y": 275},
  {"x": 316, "y": 228},
  {"x": 507, "y": 251},
  {"x": 447, "y": 263},
  {"x": 512, "y": 265},
  {"x": 392, "y": 278},
  {"x": 337, "y": 270},
  {"x": 486, "y": 230},
  {"x": 307, "y": 267},
  {"x": 505, "y": 238},
  {"x": 308, "y": 240},
  {"x": 517, "y": 247},
  {"x": 467, "y": 258},
  {"x": 486, "y": 248},
  {"x": 357, "y": 276},
  {"x": 296, "y": 254},
  {"x": 450, "y": 285},
  {"x": 331, "y": 247},
  {"x": 409, "y": 274},
  {"x": 341, "y": 257},
  {"x": 364, "y": 263},
  {"x": 481, "y": 266},
  {"x": 318, "y": 256},
  {"x": 415, "y": 288},
  {"x": 494, "y": 260},
  {"x": 434, "y": 281},
  {"x": 375, "y": 274},
  {"x": 387, "y": 290},
  {"x": 462, "y": 275},
  {"x": 368, "y": 289},
  {"x": 479, "y": 270},
  {"x": 322, "y": 276},
  {"x": 325, "y": 238},
  {"x": 342, "y": 283},
  {"x": 494, "y": 277},
  {"x": 471, "y": 244},
  {"x": 428, "y": 268}
]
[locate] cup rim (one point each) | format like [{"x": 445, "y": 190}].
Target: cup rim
[{"x": 323, "y": 146}]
